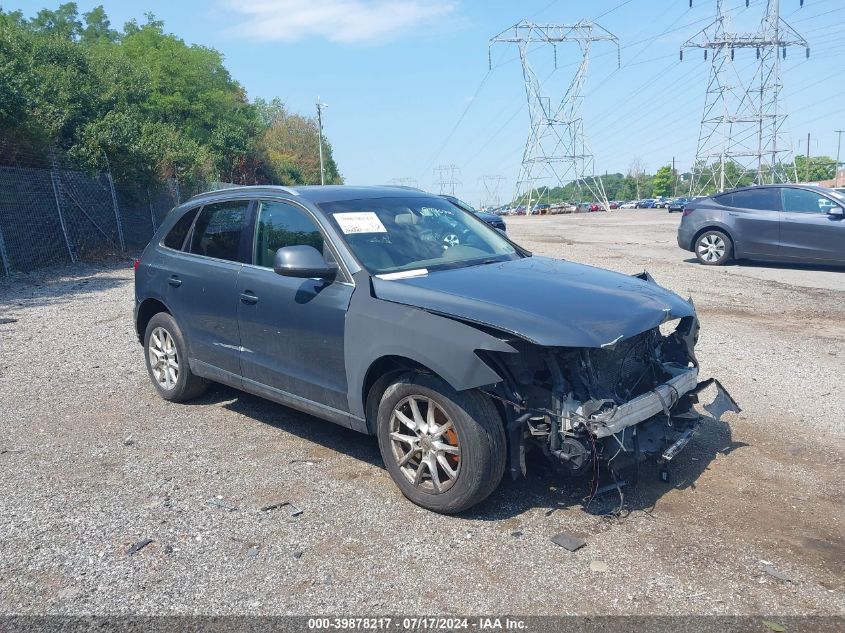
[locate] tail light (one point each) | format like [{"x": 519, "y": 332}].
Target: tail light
[
  {"x": 687, "y": 212},
  {"x": 137, "y": 263}
]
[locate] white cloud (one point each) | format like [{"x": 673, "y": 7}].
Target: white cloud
[{"x": 343, "y": 21}]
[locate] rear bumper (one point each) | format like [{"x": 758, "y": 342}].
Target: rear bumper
[{"x": 685, "y": 236}]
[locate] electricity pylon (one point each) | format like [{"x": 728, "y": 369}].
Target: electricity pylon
[
  {"x": 556, "y": 149},
  {"x": 405, "y": 182},
  {"x": 742, "y": 138},
  {"x": 491, "y": 187},
  {"x": 447, "y": 178}
]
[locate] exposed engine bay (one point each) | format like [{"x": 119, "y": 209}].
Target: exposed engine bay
[
  {"x": 618, "y": 404},
  {"x": 593, "y": 367}
]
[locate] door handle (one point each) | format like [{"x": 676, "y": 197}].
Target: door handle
[
  {"x": 174, "y": 281},
  {"x": 249, "y": 297}
]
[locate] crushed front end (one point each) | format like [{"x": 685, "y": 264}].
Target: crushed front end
[{"x": 617, "y": 404}]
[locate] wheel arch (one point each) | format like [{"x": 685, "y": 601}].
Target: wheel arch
[
  {"x": 378, "y": 375},
  {"x": 147, "y": 310},
  {"x": 714, "y": 226}
]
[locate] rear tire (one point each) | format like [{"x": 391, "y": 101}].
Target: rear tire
[
  {"x": 713, "y": 248},
  {"x": 167, "y": 360},
  {"x": 446, "y": 450}
]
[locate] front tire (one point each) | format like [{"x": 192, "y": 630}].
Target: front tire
[
  {"x": 445, "y": 449},
  {"x": 713, "y": 248},
  {"x": 167, "y": 360}
]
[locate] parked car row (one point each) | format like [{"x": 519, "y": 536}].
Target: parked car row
[
  {"x": 672, "y": 204},
  {"x": 555, "y": 208}
]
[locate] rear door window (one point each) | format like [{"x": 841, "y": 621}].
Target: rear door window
[{"x": 219, "y": 230}]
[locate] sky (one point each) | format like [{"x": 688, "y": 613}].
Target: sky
[{"x": 408, "y": 84}]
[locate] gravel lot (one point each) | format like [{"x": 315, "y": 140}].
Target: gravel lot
[{"x": 92, "y": 462}]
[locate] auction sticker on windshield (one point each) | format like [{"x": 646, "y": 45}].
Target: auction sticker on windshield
[{"x": 362, "y": 222}]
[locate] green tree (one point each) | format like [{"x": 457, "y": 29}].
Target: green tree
[
  {"x": 63, "y": 22},
  {"x": 144, "y": 102},
  {"x": 290, "y": 147},
  {"x": 815, "y": 169},
  {"x": 663, "y": 181},
  {"x": 98, "y": 27}
]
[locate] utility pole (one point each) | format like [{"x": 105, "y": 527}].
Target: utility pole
[
  {"x": 838, "y": 147},
  {"x": 807, "y": 166},
  {"x": 556, "y": 148},
  {"x": 742, "y": 126},
  {"x": 320, "y": 106},
  {"x": 674, "y": 179}
]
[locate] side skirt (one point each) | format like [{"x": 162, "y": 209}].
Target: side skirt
[{"x": 325, "y": 412}]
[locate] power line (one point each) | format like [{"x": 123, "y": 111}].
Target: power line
[{"x": 609, "y": 11}]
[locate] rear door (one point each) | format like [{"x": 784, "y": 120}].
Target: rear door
[
  {"x": 807, "y": 231},
  {"x": 292, "y": 329},
  {"x": 754, "y": 215},
  {"x": 201, "y": 284}
]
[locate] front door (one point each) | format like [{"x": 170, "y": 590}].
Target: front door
[
  {"x": 292, "y": 329},
  {"x": 807, "y": 231}
]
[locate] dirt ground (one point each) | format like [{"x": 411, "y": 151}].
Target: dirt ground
[{"x": 92, "y": 462}]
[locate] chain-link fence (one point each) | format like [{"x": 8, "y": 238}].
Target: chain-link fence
[{"x": 54, "y": 213}]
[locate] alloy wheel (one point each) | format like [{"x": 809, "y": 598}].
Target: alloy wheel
[
  {"x": 164, "y": 360},
  {"x": 425, "y": 444},
  {"x": 711, "y": 248}
]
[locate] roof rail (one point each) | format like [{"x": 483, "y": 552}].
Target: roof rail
[
  {"x": 403, "y": 187},
  {"x": 237, "y": 188}
]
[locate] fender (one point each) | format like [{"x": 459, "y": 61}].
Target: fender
[{"x": 376, "y": 328}]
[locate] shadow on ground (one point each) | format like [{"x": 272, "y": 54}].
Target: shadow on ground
[
  {"x": 747, "y": 263},
  {"x": 542, "y": 488},
  {"x": 641, "y": 487}
]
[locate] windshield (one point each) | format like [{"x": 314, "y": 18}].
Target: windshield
[
  {"x": 838, "y": 195},
  {"x": 391, "y": 235}
]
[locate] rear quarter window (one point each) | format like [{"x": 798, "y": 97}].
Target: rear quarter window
[{"x": 176, "y": 237}]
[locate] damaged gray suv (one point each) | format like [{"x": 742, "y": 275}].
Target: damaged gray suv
[{"x": 395, "y": 313}]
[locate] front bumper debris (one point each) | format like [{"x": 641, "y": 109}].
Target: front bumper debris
[
  {"x": 681, "y": 443},
  {"x": 660, "y": 399}
]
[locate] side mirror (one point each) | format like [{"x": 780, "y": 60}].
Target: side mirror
[
  {"x": 304, "y": 262},
  {"x": 836, "y": 212}
]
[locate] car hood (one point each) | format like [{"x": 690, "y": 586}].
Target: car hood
[
  {"x": 546, "y": 301},
  {"x": 487, "y": 217}
]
